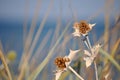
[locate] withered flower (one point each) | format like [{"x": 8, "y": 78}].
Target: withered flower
[
  {"x": 82, "y": 28},
  {"x": 60, "y": 62},
  {"x": 63, "y": 63}
]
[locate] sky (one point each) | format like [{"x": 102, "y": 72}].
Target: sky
[{"x": 15, "y": 9}]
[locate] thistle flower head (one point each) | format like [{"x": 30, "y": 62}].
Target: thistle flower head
[
  {"x": 63, "y": 63},
  {"x": 91, "y": 56},
  {"x": 82, "y": 28},
  {"x": 60, "y": 62}
]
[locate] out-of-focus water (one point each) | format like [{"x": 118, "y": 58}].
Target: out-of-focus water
[{"x": 11, "y": 33}]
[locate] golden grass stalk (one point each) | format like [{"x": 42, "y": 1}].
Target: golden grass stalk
[
  {"x": 5, "y": 65},
  {"x": 34, "y": 42},
  {"x": 28, "y": 40},
  {"x": 115, "y": 47},
  {"x": 22, "y": 71},
  {"x": 3, "y": 74}
]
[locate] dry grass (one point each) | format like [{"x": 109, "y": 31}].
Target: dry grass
[{"x": 5, "y": 65}]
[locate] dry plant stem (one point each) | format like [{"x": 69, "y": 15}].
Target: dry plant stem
[
  {"x": 5, "y": 65},
  {"x": 96, "y": 72},
  {"x": 3, "y": 74},
  {"x": 23, "y": 68},
  {"x": 115, "y": 47},
  {"x": 75, "y": 73},
  {"x": 87, "y": 42}
]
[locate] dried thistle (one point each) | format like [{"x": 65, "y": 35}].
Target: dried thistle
[
  {"x": 63, "y": 63},
  {"x": 60, "y": 62},
  {"x": 82, "y": 28}
]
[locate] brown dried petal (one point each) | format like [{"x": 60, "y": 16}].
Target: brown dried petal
[
  {"x": 87, "y": 29},
  {"x": 84, "y": 27},
  {"x": 60, "y": 63},
  {"x": 83, "y": 31}
]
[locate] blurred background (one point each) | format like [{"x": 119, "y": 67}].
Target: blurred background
[{"x": 34, "y": 32}]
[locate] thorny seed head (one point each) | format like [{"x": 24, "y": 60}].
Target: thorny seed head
[
  {"x": 60, "y": 62},
  {"x": 84, "y": 27}
]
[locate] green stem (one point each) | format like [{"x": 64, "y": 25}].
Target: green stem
[{"x": 110, "y": 58}]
